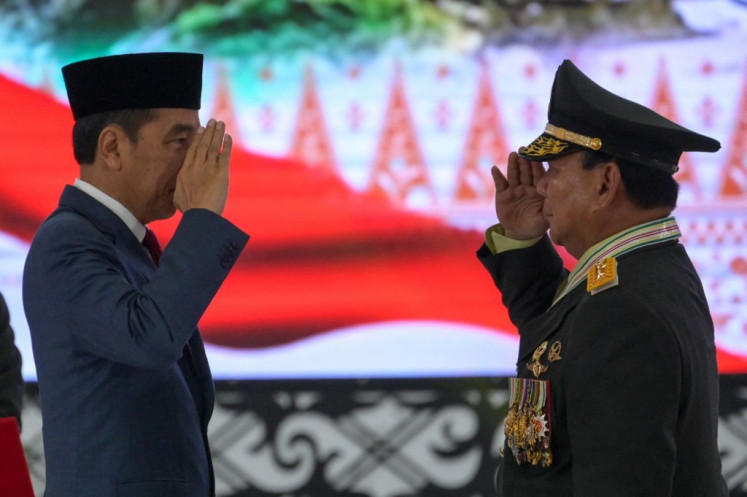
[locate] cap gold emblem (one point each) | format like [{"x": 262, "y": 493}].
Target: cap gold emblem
[{"x": 544, "y": 146}]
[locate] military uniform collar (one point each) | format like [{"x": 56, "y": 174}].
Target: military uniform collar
[{"x": 653, "y": 232}]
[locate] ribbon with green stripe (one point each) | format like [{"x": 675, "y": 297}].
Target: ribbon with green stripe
[{"x": 643, "y": 235}]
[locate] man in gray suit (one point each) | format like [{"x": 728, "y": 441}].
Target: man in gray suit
[{"x": 125, "y": 386}]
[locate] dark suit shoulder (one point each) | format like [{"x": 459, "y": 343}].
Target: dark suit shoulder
[
  {"x": 62, "y": 220},
  {"x": 657, "y": 268},
  {"x": 67, "y": 233},
  {"x": 658, "y": 300}
]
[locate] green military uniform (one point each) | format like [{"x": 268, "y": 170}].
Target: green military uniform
[
  {"x": 616, "y": 392},
  {"x": 628, "y": 373}
]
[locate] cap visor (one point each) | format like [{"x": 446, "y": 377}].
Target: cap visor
[{"x": 546, "y": 147}]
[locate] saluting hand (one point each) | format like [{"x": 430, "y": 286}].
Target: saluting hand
[
  {"x": 203, "y": 179},
  {"x": 518, "y": 204}
]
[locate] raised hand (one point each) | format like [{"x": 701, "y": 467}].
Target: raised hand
[
  {"x": 203, "y": 179},
  {"x": 518, "y": 204}
]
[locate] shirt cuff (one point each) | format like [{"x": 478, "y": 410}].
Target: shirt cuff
[{"x": 497, "y": 241}]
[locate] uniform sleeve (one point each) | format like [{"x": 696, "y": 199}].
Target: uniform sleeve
[
  {"x": 622, "y": 374},
  {"x": 527, "y": 277},
  {"x": 497, "y": 241},
  {"x": 77, "y": 280}
]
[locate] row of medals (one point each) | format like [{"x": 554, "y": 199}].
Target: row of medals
[{"x": 527, "y": 429}]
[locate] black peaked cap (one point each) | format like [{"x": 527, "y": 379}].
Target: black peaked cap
[{"x": 583, "y": 115}]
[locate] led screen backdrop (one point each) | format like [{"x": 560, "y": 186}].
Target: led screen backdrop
[{"x": 365, "y": 131}]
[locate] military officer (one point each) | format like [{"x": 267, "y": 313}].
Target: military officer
[{"x": 616, "y": 392}]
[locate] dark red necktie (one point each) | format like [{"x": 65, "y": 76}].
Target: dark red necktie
[{"x": 150, "y": 242}]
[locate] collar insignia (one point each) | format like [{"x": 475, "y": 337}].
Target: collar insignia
[{"x": 602, "y": 275}]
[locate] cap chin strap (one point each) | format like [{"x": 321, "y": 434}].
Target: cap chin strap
[
  {"x": 562, "y": 138},
  {"x": 570, "y": 136}
]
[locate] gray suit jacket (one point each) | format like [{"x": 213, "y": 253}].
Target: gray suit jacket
[{"x": 125, "y": 386}]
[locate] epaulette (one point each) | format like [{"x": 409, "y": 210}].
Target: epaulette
[{"x": 602, "y": 275}]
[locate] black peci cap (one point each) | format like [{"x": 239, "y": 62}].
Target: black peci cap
[
  {"x": 584, "y": 116},
  {"x": 134, "y": 81}
]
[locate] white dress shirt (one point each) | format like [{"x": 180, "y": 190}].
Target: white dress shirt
[{"x": 137, "y": 228}]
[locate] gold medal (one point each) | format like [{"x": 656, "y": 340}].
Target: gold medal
[
  {"x": 539, "y": 350},
  {"x": 536, "y": 367},
  {"x": 527, "y": 426},
  {"x": 554, "y": 354}
]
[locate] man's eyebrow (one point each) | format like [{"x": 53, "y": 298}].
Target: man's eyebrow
[{"x": 178, "y": 129}]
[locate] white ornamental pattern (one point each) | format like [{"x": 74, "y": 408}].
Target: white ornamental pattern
[
  {"x": 732, "y": 436},
  {"x": 382, "y": 443},
  {"x": 715, "y": 241},
  {"x": 384, "y": 449}
]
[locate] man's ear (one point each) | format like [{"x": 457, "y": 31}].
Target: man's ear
[
  {"x": 610, "y": 185},
  {"x": 111, "y": 142}
]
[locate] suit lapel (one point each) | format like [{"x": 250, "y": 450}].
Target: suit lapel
[
  {"x": 193, "y": 363},
  {"x": 109, "y": 224}
]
